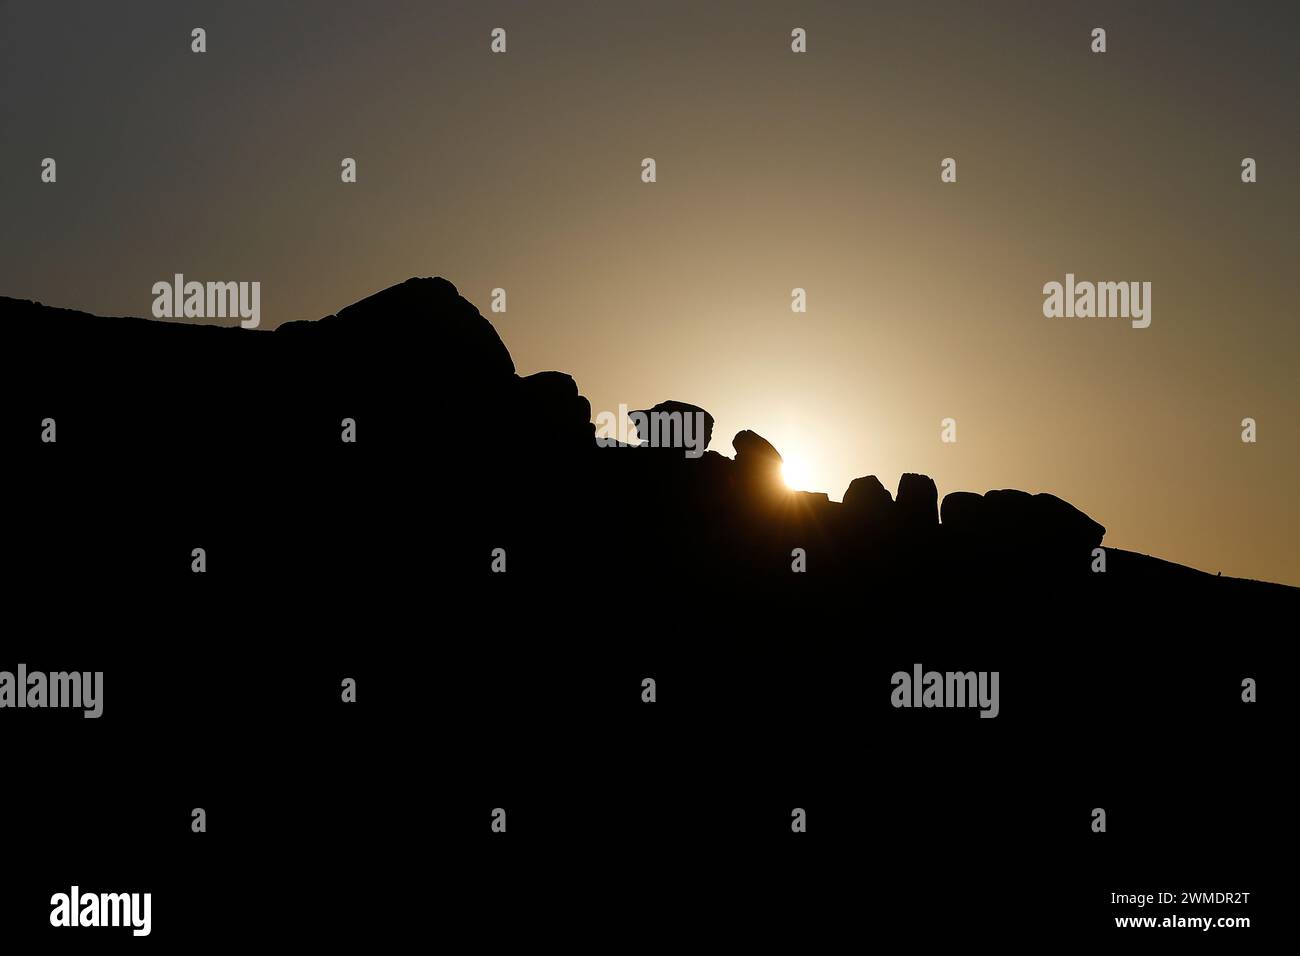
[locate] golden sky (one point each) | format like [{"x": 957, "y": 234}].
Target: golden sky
[{"x": 775, "y": 171}]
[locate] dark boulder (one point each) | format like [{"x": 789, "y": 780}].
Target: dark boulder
[
  {"x": 669, "y": 423},
  {"x": 917, "y": 503},
  {"x": 1064, "y": 524},
  {"x": 1041, "y": 524},
  {"x": 758, "y": 469},
  {"x": 963, "y": 512},
  {"x": 867, "y": 500},
  {"x": 553, "y": 411},
  {"x": 755, "y": 453}
]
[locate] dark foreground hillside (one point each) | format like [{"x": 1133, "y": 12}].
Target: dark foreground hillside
[{"x": 381, "y": 560}]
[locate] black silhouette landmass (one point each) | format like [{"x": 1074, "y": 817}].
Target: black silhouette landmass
[{"x": 185, "y": 432}]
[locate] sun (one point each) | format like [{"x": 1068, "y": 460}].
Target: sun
[{"x": 795, "y": 474}]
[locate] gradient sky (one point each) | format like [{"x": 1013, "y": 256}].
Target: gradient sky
[{"x": 775, "y": 170}]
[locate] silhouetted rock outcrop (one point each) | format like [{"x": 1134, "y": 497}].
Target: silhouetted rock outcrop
[
  {"x": 239, "y": 431},
  {"x": 429, "y": 310}
]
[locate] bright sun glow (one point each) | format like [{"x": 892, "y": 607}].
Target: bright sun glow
[{"x": 795, "y": 474}]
